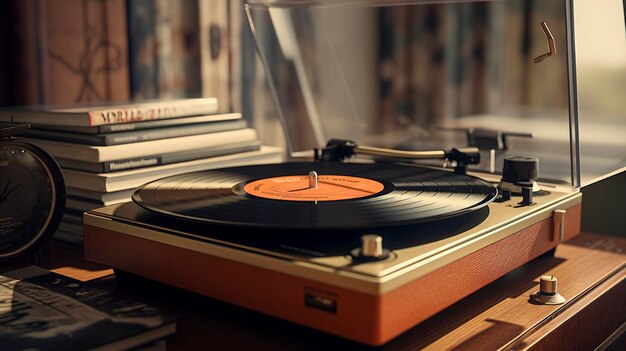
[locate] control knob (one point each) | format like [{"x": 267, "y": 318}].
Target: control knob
[
  {"x": 518, "y": 176},
  {"x": 547, "y": 294},
  {"x": 371, "y": 249}
]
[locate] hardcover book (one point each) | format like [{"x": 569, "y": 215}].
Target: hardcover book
[
  {"x": 42, "y": 310},
  {"x": 89, "y": 153},
  {"x": 83, "y": 205},
  {"x": 156, "y": 123},
  {"x": 102, "y": 197},
  {"x": 111, "y": 114},
  {"x": 135, "y": 136},
  {"x": 122, "y": 180},
  {"x": 160, "y": 159}
]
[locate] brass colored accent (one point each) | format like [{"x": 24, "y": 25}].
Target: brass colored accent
[
  {"x": 547, "y": 294},
  {"x": 414, "y": 155},
  {"x": 547, "y": 284},
  {"x": 551, "y": 44},
  {"x": 558, "y": 217}
]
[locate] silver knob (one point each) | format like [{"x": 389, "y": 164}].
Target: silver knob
[{"x": 372, "y": 245}]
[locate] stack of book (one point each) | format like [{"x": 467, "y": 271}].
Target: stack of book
[{"x": 107, "y": 152}]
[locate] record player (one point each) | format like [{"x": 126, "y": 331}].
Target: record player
[{"x": 390, "y": 217}]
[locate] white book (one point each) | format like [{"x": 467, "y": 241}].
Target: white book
[
  {"x": 91, "y": 153},
  {"x": 87, "y": 116},
  {"x": 101, "y": 197},
  {"x": 82, "y": 205},
  {"x": 123, "y": 180}
]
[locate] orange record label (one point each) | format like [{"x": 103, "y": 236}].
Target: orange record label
[{"x": 329, "y": 188}]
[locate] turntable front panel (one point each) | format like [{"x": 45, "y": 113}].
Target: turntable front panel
[{"x": 433, "y": 262}]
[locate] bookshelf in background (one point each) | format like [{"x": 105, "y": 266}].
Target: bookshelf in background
[
  {"x": 65, "y": 52},
  {"x": 215, "y": 50},
  {"x": 78, "y": 51},
  {"x": 135, "y": 50}
]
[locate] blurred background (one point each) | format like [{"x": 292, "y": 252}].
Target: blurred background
[{"x": 391, "y": 73}]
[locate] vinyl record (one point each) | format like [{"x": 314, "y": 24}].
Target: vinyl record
[{"x": 347, "y": 196}]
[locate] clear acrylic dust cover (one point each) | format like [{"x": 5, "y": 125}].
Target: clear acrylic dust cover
[{"x": 543, "y": 78}]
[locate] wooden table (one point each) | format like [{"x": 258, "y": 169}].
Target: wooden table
[{"x": 590, "y": 269}]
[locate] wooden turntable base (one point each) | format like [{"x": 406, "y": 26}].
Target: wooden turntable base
[{"x": 589, "y": 267}]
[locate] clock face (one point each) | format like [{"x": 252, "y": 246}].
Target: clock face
[{"x": 31, "y": 191}]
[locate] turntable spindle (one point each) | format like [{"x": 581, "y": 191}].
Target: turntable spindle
[{"x": 312, "y": 180}]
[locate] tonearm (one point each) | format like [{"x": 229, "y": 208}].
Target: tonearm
[{"x": 337, "y": 150}]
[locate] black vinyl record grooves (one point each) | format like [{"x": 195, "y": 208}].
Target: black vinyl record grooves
[{"x": 349, "y": 196}]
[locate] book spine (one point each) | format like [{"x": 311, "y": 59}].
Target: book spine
[
  {"x": 215, "y": 50},
  {"x": 86, "y": 51},
  {"x": 164, "y": 53},
  {"x": 117, "y": 82},
  {"x": 237, "y": 29},
  {"x": 80, "y": 180},
  {"x": 125, "y": 180},
  {"x": 81, "y": 205},
  {"x": 166, "y": 133},
  {"x": 114, "y": 128},
  {"x": 110, "y": 166},
  {"x": 87, "y": 139},
  {"x": 100, "y": 197},
  {"x": 143, "y": 67},
  {"x": 80, "y": 166},
  {"x": 90, "y": 153},
  {"x": 152, "y": 111},
  {"x": 113, "y": 166},
  {"x": 141, "y": 162},
  {"x": 188, "y": 143},
  {"x": 185, "y": 46},
  {"x": 24, "y": 32},
  {"x": 160, "y": 123}
]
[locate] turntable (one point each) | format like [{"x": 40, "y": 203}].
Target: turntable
[{"x": 366, "y": 247}]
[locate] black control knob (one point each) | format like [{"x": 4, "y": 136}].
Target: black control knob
[
  {"x": 520, "y": 169},
  {"x": 527, "y": 193}
]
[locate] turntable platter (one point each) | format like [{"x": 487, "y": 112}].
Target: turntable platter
[{"x": 345, "y": 196}]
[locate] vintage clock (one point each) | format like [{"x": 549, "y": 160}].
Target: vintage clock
[{"x": 32, "y": 194}]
